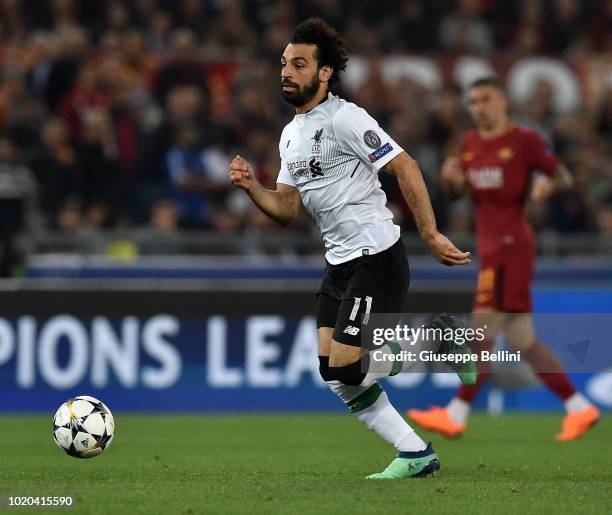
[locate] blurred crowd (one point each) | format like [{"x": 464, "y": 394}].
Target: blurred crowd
[{"x": 119, "y": 114}]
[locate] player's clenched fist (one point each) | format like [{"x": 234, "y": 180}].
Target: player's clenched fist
[
  {"x": 452, "y": 173},
  {"x": 541, "y": 189},
  {"x": 241, "y": 173}
]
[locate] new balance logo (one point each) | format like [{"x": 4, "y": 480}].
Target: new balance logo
[{"x": 353, "y": 331}]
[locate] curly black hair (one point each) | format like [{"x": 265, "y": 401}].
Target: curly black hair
[{"x": 330, "y": 46}]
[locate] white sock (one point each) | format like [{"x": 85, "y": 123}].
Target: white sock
[
  {"x": 411, "y": 442},
  {"x": 382, "y": 363},
  {"x": 378, "y": 369},
  {"x": 577, "y": 402},
  {"x": 384, "y": 419},
  {"x": 458, "y": 410},
  {"x": 381, "y": 417}
]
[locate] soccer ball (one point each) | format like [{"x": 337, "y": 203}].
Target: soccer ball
[{"x": 83, "y": 427}]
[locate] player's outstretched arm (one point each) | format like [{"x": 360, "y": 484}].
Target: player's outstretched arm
[
  {"x": 411, "y": 183},
  {"x": 282, "y": 205}
]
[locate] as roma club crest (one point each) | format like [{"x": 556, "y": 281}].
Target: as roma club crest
[
  {"x": 467, "y": 156},
  {"x": 505, "y": 154}
]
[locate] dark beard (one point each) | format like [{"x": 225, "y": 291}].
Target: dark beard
[{"x": 299, "y": 97}]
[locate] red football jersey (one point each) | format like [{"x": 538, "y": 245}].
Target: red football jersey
[{"x": 499, "y": 172}]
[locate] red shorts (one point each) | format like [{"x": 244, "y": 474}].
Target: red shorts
[{"x": 504, "y": 282}]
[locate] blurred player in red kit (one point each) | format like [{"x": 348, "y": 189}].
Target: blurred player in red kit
[{"x": 496, "y": 167}]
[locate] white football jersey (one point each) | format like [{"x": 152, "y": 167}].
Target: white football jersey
[{"x": 332, "y": 154}]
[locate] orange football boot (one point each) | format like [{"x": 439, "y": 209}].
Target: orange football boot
[
  {"x": 437, "y": 419},
  {"x": 576, "y": 423}
]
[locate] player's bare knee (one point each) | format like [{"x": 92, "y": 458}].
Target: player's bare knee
[
  {"x": 519, "y": 331},
  {"x": 325, "y": 338},
  {"x": 345, "y": 363},
  {"x": 341, "y": 355}
]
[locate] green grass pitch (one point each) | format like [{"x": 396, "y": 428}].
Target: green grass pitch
[{"x": 308, "y": 464}]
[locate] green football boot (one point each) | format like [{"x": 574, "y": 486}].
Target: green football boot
[
  {"x": 467, "y": 372},
  {"x": 411, "y": 464}
]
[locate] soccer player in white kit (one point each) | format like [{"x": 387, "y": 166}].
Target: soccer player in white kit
[{"x": 331, "y": 154}]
